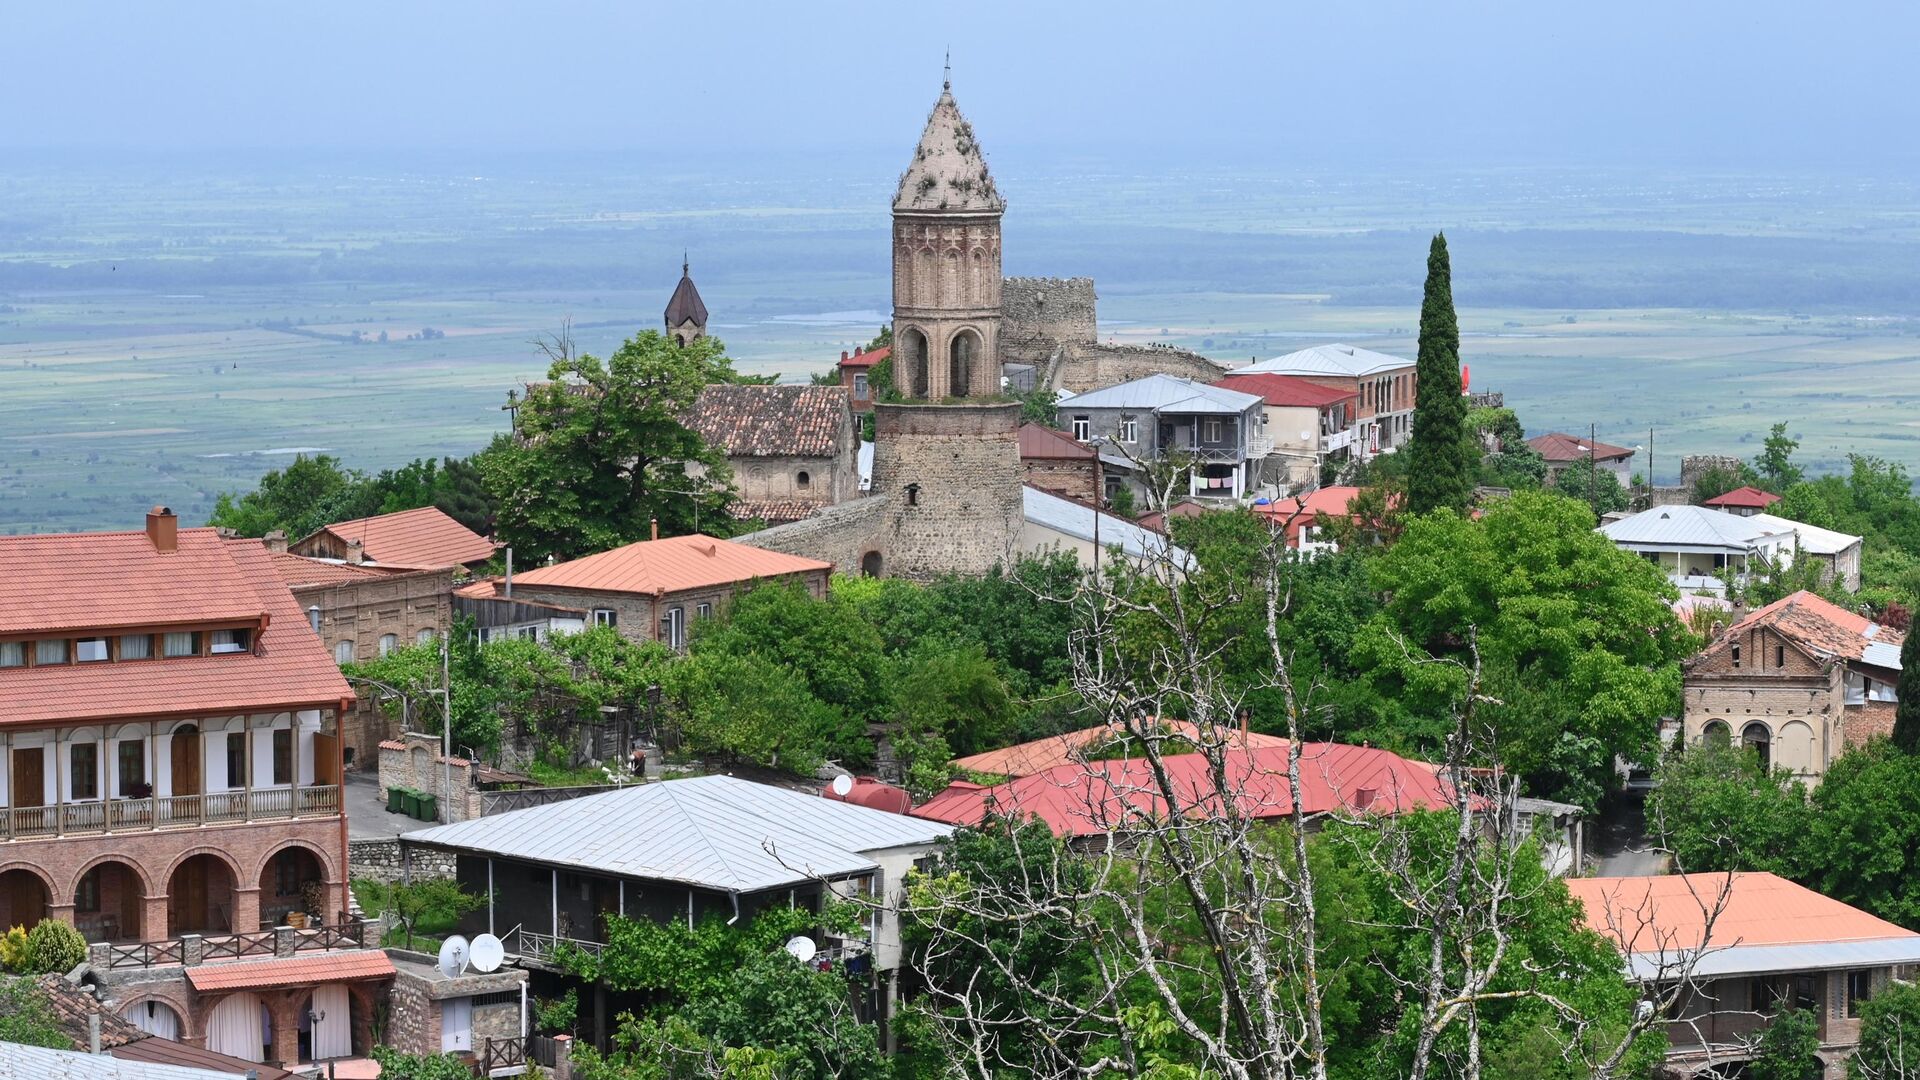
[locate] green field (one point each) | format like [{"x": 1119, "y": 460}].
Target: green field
[{"x": 170, "y": 333}]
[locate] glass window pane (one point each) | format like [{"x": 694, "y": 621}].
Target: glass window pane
[
  {"x": 136, "y": 647},
  {"x": 180, "y": 643},
  {"x": 51, "y": 651},
  {"x": 84, "y": 776},
  {"x": 87, "y": 650},
  {"x": 13, "y": 653},
  {"x": 230, "y": 641}
]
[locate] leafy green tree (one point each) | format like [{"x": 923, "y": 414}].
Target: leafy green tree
[
  {"x": 602, "y": 452},
  {"x": 1716, "y": 809},
  {"x": 1713, "y": 482},
  {"x": 836, "y": 655},
  {"x": 1789, "y": 1048},
  {"x": 54, "y": 948},
  {"x": 747, "y": 707},
  {"x": 1437, "y": 454},
  {"x": 27, "y": 1016},
  {"x": 1594, "y": 485},
  {"x": 805, "y": 1016},
  {"x": 298, "y": 499},
  {"x": 1863, "y": 846},
  {"x": 1037, "y": 406},
  {"x": 395, "y": 1065},
  {"x": 434, "y": 901},
  {"x": 1774, "y": 463},
  {"x": 1906, "y": 713},
  {"x": 1889, "y": 1035}
]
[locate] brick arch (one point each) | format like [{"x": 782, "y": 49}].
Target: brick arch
[
  {"x": 326, "y": 862},
  {"x": 146, "y": 881},
  {"x": 172, "y": 998},
  {"x": 53, "y": 894},
  {"x": 218, "y": 853}
]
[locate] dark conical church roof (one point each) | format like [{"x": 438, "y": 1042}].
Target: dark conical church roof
[{"x": 686, "y": 304}]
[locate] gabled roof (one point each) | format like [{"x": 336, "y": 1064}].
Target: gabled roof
[
  {"x": 350, "y": 965},
  {"x": 96, "y": 581},
  {"x": 1822, "y": 629},
  {"x": 866, "y": 359},
  {"x": 948, "y": 172},
  {"x": 685, "y": 305},
  {"x": 1333, "y": 359},
  {"x": 1745, "y": 498},
  {"x": 1808, "y": 538},
  {"x": 1560, "y": 448},
  {"x": 1287, "y": 390},
  {"x": 771, "y": 421},
  {"x": 672, "y": 565},
  {"x": 1167, "y": 393},
  {"x": 1077, "y": 519},
  {"x": 289, "y": 668},
  {"x": 1070, "y": 747},
  {"x": 157, "y": 1051},
  {"x": 1300, "y": 512},
  {"x": 712, "y": 832},
  {"x": 298, "y": 571},
  {"x": 1759, "y": 923},
  {"x": 422, "y": 539},
  {"x": 1039, "y": 441},
  {"x": 1690, "y": 526},
  {"x": 1105, "y": 796}
]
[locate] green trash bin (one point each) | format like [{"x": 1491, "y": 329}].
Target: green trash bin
[
  {"x": 396, "y": 801},
  {"x": 410, "y": 802},
  {"x": 429, "y": 807}
]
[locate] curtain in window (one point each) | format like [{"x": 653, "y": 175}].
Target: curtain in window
[
  {"x": 333, "y": 1032},
  {"x": 180, "y": 643},
  {"x": 136, "y": 647},
  {"x": 237, "y": 1027},
  {"x": 155, "y": 1019}
]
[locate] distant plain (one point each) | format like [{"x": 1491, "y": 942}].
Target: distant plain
[{"x": 169, "y": 331}]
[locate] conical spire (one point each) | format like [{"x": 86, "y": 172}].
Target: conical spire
[
  {"x": 686, "y": 305},
  {"x": 948, "y": 172}
]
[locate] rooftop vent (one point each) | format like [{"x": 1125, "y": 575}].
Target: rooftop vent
[{"x": 163, "y": 529}]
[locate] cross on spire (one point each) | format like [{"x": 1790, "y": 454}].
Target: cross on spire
[
  {"x": 946, "y": 74},
  {"x": 684, "y": 264}
]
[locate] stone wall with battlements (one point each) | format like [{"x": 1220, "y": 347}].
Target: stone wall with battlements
[
  {"x": 1040, "y": 316},
  {"x": 1096, "y": 366}
]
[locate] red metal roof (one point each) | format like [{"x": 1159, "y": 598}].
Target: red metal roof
[
  {"x": 1746, "y": 498},
  {"x": 1666, "y": 913},
  {"x": 1558, "y": 446},
  {"x": 289, "y": 667},
  {"x": 1286, "y": 389},
  {"x": 315, "y": 968},
  {"x": 1103, "y": 796},
  {"x": 874, "y": 795},
  {"x": 1070, "y": 747},
  {"x": 866, "y": 359},
  {"x": 671, "y": 565},
  {"x": 423, "y": 539},
  {"x": 1041, "y": 441}
]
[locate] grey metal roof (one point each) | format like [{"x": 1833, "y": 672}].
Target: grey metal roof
[
  {"x": 1694, "y": 526},
  {"x": 1881, "y": 654},
  {"x": 1168, "y": 393},
  {"x": 1809, "y": 538},
  {"x": 714, "y": 832},
  {"x": 21, "y": 1062},
  {"x": 1076, "y": 519},
  {"x": 1762, "y": 959},
  {"x": 1333, "y": 359}
]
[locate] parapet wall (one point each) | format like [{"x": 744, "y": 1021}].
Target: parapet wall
[
  {"x": 1040, "y": 316},
  {"x": 1095, "y": 366}
]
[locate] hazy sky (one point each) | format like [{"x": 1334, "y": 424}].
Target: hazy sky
[{"x": 1813, "y": 83}]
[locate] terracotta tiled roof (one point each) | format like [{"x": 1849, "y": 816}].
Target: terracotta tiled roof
[
  {"x": 1559, "y": 447},
  {"x": 289, "y": 668},
  {"x": 1157, "y": 519},
  {"x": 1751, "y": 498},
  {"x": 868, "y": 358},
  {"x": 1069, "y": 747},
  {"x": 158, "y": 1051},
  {"x": 96, "y": 581},
  {"x": 349, "y": 966},
  {"x": 299, "y": 571},
  {"x": 1670, "y": 912},
  {"x": 772, "y": 421},
  {"x": 1286, "y": 389},
  {"x": 772, "y": 511},
  {"x": 672, "y": 565},
  {"x": 1821, "y": 628},
  {"x": 422, "y": 539},
  {"x": 72, "y": 1006},
  {"x": 1103, "y": 796},
  {"x": 1040, "y": 441}
]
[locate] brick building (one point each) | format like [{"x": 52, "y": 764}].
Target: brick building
[
  {"x": 170, "y": 765},
  {"x": 654, "y": 590},
  {"x": 422, "y": 539},
  {"x": 1056, "y": 461},
  {"x": 1800, "y": 681},
  {"x": 792, "y": 449},
  {"x": 856, "y": 372}
]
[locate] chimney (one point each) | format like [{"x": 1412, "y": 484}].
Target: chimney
[
  {"x": 843, "y": 356},
  {"x": 276, "y": 541},
  {"x": 356, "y": 553},
  {"x": 93, "y": 1032},
  {"x": 656, "y": 527},
  {"x": 313, "y": 617},
  {"x": 163, "y": 528}
]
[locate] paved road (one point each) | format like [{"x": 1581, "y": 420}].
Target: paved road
[
  {"x": 367, "y": 817},
  {"x": 1619, "y": 840}
]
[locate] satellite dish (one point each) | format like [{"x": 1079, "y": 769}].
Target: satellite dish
[
  {"x": 843, "y": 785},
  {"x": 453, "y": 956},
  {"x": 486, "y": 953},
  {"x": 801, "y": 948}
]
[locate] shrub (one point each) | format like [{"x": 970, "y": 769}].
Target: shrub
[
  {"x": 53, "y": 947},
  {"x": 13, "y": 950}
]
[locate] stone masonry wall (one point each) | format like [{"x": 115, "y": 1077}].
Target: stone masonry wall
[
  {"x": 1095, "y": 366},
  {"x": 363, "y": 612},
  {"x": 842, "y": 535},
  {"x": 1076, "y": 479},
  {"x": 414, "y": 761},
  {"x": 951, "y": 474},
  {"x": 1039, "y": 316},
  {"x": 379, "y": 860}
]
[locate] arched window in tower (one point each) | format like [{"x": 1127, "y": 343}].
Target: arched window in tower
[
  {"x": 951, "y": 292},
  {"x": 962, "y": 355},
  {"x": 911, "y": 378},
  {"x": 977, "y": 281}
]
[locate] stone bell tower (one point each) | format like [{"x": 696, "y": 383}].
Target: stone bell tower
[{"x": 946, "y": 264}]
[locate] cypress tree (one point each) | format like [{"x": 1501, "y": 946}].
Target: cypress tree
[
  {"x": 1437, "y": 460},
  {"x": 1906, "y": 714}
]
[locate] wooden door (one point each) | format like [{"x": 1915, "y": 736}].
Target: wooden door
[
  {"x": 187, "y": 899},
  {"x": 29, "y": 777},
  {"x": 186, "y": 761}
]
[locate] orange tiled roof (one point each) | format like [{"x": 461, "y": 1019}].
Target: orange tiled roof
[
  {"x": 1645, "y": 914},
  {"x": 1558, "y": 446},
  {"x": 299, "y": 571},
  {"x": 422, "y": 539},
  {"x": 1744, "y": 497},
  {"x": 676, "y": 564},
  {"x": 1821, "y": 627},
  {"x": 329, "y": 967},
  {"x": 289, "y": 669},
  {"x": 96, "y": 581},
  {"x": 1069, "y": 747}
]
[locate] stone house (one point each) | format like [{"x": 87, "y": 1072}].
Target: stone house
[
  {"x": 856, "y": 375},
  {"x": 422, "y": 539},
  {"x": 792, "y": 449},
  {"x": 1561, "y": 450},
  {"x": 170, "y": 764},
  {"x": 655, "y": 590},
  {"x": 1746, "y": 944},
  {"x": 1799, "y": 681},
  {"x": 1384, "y": 387},
  {"x": 1307, "y": 423},
  {"x": 1151, "y": 419},
  {"x": 1057, "y": 462}
]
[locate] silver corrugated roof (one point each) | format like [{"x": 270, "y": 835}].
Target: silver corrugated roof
[
  {"x": 1334, "y": 359},
  {"x": 1810, "y": 538},
  {"x": 21, "y": 1062},
  {"x": 1690, "y": 525},
  {"x": 715, "y": 832},
  {"x": 1763, "y": 959},
  {"x": 1167, "y": 393},
  {"x": 1881, "y": 654},
  {"x": 1076, "y": 519}
]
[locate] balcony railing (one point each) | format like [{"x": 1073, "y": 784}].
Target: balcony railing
[
  {"x": 177, "y": 811},
  {"x": 541, "y": 947},
  {"x": 345, "y": 932}
]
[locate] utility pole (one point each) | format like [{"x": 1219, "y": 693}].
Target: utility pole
[
  {"x": 1593, "y": 490},
  {"x": 446, "y": 726}
]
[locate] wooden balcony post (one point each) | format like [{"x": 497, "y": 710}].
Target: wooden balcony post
[
  {"x": 246, "y": 767},
  {"x": 59, "y": 789},
  {"x": 293, "y": 777}
]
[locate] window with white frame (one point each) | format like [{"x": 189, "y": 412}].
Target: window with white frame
[
  {"x": 230, "y": 641},
  {"x": 424, "y": 636},
  {"x": 673, "y": 627},
  {"x": 87, "y": 650},
  {"x": 1083, "y": 428},
  {"x": 388, "y": 642},
  {"x": 860, "y": 386},
  {"x": 702, "y": 611},
  {"x": 1212, "y": 430},
  {"x": 1129, "y": 430},
  {"x": 605, "y": 617}
]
